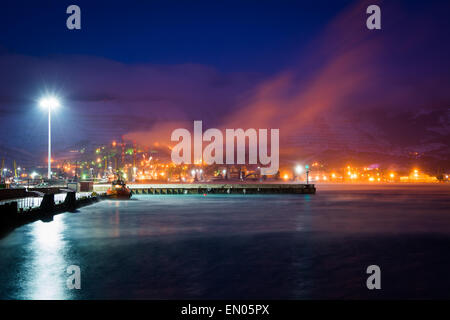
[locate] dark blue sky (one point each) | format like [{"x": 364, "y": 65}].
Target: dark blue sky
[
  {"x": 310, "y": 68},
  {"x": 261, "y": 36}
]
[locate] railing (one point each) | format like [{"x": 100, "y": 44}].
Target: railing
[{"x": 27, "y": 203}]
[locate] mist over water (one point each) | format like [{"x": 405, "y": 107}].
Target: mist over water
[{"x": 241, "y": 247}]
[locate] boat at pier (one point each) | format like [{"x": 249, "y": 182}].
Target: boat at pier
[{"x": 119, "y": 190}]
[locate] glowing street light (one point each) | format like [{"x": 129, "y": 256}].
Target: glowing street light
[
  {"x": 49, "y": 103},
  {"x": 298, "y": 169}
]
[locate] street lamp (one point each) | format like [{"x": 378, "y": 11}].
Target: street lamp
[
  {"x": 297, "y": 171},
  {"x": 49, "y": 103}
]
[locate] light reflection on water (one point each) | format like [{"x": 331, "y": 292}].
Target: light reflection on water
[{"x": 46, "y": 279}]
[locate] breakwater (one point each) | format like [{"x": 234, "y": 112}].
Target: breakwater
[
  {"x": 16, "y": 212},
  {"x": 217, "y": 188}
]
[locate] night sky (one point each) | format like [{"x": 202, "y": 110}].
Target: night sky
[{"x": 139, "y": 69}]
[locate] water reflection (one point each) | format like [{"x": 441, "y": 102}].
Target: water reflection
[
  {"x": 117, "y": 223},
  {"x": 46, "y": 279},
  {"x": 236, "y": 247}
]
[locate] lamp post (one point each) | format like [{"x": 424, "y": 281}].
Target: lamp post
[
  {"x": 307, "y": 174},
  {"x": 49, "y": 103}
]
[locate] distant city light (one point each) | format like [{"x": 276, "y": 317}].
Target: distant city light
[{"x": 99, "y": 166}]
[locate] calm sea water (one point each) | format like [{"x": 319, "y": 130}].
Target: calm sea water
[{"x": 239, "y": 247}]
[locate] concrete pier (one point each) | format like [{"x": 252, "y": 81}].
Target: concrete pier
[
  {"x": 11, "y": 216},
  {"x": 216, "y": 188}
]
